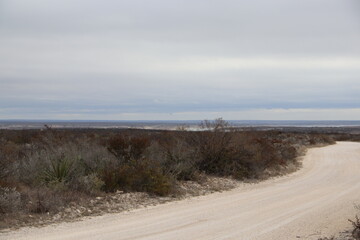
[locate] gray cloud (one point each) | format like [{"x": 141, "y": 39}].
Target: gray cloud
[{"x": 93, "y": 59}]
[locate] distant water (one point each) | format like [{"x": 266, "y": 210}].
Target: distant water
[{"x": 38, "y": 124}]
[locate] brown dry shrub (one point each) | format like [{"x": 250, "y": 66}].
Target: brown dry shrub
[
  {"x": 9, "y": 153},
  {"x": 10, "y": 200},
  {"x": 356, "y": 227},
  {"x": 215, "y": 150},
  {"x": 126, "y": 148},
  {"x": 47, "y": 199},
  {"x": 142, "y": 176},
  {"x": 175, "y": 156}
]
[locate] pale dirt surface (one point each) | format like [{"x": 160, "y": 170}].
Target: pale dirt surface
[{"x": 315, "y": 201}]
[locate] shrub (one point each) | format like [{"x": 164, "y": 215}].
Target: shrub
[
  {"x": 92, "y": 158},
  {"x": 90, "y": 184},
  {"x": 58, "y": 171},
  {"x": 217, "y": 150},
  {"x": 321, "y": 139},
  {"x": 52, "y": 167},
  {"x": 213, "y": 145},
  {"x": 137, "y": 176},
  {"x": 73, "y": 164},
  {"x": 126, "y": 148},
  {"x": 176, "y": 157},
  {"x": 10, "y": 200},
  {"x": 9, "y": 152},
  {"x": 134, "y": 171},
  {"x": 356, "y": 228},
  {"x": 45, "y": 199}
]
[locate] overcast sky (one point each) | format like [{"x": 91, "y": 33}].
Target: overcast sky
[{"x": 169, "y": 59}]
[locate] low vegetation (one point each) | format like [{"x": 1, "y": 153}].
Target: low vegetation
[
  {"x": 43, "y": 170},
  {"x": 356, "y": 228}
]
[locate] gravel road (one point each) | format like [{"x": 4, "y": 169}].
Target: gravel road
[{"x": 315, "y": 201}]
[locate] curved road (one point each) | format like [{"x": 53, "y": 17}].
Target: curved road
[{"x": 313, "y": 202}]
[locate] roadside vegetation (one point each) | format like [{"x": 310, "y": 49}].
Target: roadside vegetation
[{"x": 41, "y": 171}]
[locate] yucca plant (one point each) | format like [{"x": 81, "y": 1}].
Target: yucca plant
[{"x": 58, "y": 171}]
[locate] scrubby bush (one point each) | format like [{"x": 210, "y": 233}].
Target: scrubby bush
[
  {"x": 9, "y": 153},
  {"x": 126, "y": 148},
  {"x": 356, "y": 227},
  {"x": 176, "y": 157},
  {"x": 43, "y": 200},
  {"x": 134, "y": 171},
  {"x": 137, "y": 176},
  {"x": 73, "y": 165},
  {"x": 346, "y": 137},
  {"x": 58, "y": 171},
  {"x": 214, "y": 148},
  {"x": 48, "y": 199},
  {"x": 50, "y": 168},
  {"x": 220, "y": 150},
  {"x": 90, "y": 184},
  {"x": 10, "y": 200}
]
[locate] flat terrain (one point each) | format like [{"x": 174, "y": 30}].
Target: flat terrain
[{"x": 313, "y": 202}]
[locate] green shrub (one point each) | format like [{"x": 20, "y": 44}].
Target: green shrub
[{"x": 58, "y": 171}]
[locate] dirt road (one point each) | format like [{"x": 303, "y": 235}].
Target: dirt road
[{"x": 313, "y": 202}]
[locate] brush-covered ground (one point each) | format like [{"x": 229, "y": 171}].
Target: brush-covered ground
[{"x": 51, "y": 175}]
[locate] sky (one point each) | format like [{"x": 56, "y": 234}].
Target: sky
[{"x": 180, "y": 60}]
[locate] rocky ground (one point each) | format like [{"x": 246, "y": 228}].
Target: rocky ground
[
  {"x": 346, "y": 235},
  {"x": 118, "y": 202}
]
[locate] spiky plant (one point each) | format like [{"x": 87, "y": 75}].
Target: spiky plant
[{"x": 58, "y": 171}]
